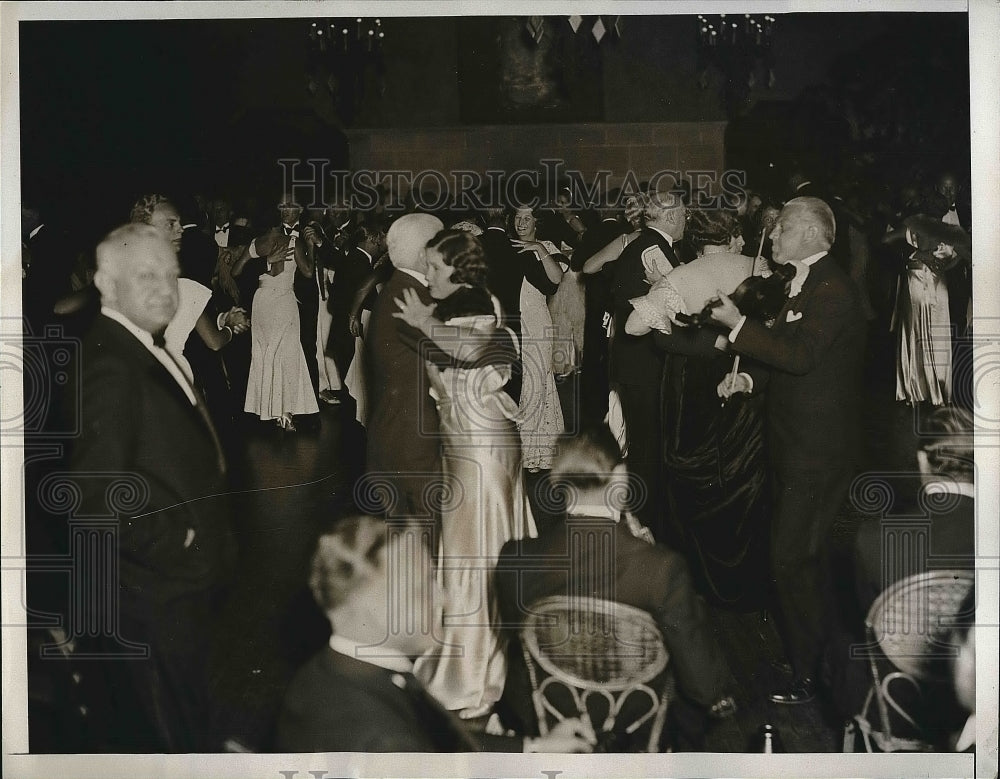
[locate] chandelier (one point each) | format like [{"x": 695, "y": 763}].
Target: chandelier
[
  {"x": 345, "y": 57},
  {"x": 739, "y": 48}
]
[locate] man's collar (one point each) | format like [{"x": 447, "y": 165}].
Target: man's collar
[
  {"x": 365, "y": 654},
  {"x": 668, "y": 236},
  {"x": 593, "y": 511},
  {"x": 803, "y": 184},
  {"x": 812, "y": 259},
  {"x": 415, "y": 273},
  {"x": 950, "y": 488},
  {"x": 365, "y": 253},
  {"x": 34, "y": 232},
  {"x": 143, "y": 335}
]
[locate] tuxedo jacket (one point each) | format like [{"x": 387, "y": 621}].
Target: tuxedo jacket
[
  {"x": 336, "y": 703},
  {"x": 505, "y": 274},
  {"x": 635, "y": 359},
  {"x": 402, "y": 417},
  {"x": 952, "y": 545},
  {"x": 350, "y": 272},
  {"x": 137, "y": 420},
  {"x": 600, "y": 558},
  {"x": 813, "y": 355}
]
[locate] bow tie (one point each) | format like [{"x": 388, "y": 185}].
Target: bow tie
[
  {"x": 223, "y": 229},
  {"x": 159, "y": 340},
  {"x": 289, "y": 230}
]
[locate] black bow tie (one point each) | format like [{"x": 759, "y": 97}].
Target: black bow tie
[
  {"x": 159, "y": 340},
  {"x": 293, "y": 229},
  {"x": 223, "y": 229}
]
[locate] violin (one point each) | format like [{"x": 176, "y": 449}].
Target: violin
[{"x": 759, "y": 297}]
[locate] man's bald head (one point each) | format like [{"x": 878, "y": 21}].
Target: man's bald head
[
  {"x": 407, "y": 238},
  {"x": 137, "y": 276},
  {"x": 818, "y": 213}
]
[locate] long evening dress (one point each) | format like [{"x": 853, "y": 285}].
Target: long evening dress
[
  {"x": 922, "y": 325},
  {"x": 279, "y": 379},
  {"x": 714, "y": 452},
  {"x": 484, "y": 507},
  {"x": 540, "y": 417}
]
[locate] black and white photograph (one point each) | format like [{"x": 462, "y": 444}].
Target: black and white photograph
[{"x": 554, "y": 389}]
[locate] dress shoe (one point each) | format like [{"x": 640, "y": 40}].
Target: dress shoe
[{"x": 800, "y": 691}]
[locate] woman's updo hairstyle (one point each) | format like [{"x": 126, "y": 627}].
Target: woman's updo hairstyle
[
  {"x": 711, "y": 227},
  {"x": 463, "y": 252}
]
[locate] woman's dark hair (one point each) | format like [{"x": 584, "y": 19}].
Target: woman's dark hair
[
  {"x": 463, "y": 252},
  {"x": 711, "y": 227}
]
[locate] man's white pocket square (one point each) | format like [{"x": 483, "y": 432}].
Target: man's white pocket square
[{"x": 793, "y": 316}]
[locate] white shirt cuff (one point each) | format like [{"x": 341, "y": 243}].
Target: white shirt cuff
[
  {"x": 749, "y": 379},
  {"x": 220, "y": 320},
  {"x": 253, "y": 249},
  {"x": 736, "y": 330}
]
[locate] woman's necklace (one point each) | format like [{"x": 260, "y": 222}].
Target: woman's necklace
[{"x": 709, "y": 250}]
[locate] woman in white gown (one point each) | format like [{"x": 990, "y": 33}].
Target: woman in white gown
[
  {"x": 540, "y": 418},
  {"x": 484, "y": 503},
  {"x": 279, "y": 385}
]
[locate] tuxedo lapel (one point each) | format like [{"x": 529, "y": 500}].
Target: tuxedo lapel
[{"x": 796, "y": 305}]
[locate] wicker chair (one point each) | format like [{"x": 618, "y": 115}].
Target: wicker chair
[
  {"x": 907, "y": 629},
  {"x": 600, "y": 660}
]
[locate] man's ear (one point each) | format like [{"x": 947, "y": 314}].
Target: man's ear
[{"x": 105, "y": 284}]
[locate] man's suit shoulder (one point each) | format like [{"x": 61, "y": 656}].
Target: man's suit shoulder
[{"x": 338, "y": 704}]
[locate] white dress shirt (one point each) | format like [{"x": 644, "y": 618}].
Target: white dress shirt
[
  {"x": 146, "y": 339},
  {"x": 391, "y": 662}
]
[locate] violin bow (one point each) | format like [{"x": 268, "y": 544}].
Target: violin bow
[{"x": 731, "y": 376}]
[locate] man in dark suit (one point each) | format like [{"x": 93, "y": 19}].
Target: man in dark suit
[
  {"x": 351, "y": 270},
  {"x": 598, "y": 308},
  {"x": 142, "y": 416},
  {"x": 946, "y": 513},
  {"x": 403, "y": 436},
  {"x": 636, "y": 363},
  {"x": 570, "y": 559},
  {"x": 814, "y": 355},
  {"x": 375, "y": 582},
  {"x": 306, "y": 287}
]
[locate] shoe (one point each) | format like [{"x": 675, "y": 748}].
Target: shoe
[
  {"x": 330, "y": 397},
  {"x": 285, "y": 422},
  {"x": 800, "y": 691},
  {"x": 724, "y": 708}
]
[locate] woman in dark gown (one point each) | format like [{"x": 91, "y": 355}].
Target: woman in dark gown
[{"x": 714, "y": 450}]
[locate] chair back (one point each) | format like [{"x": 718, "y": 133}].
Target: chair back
[
  {"x": 908, "y": 628},
  {"x": 602, "y": 660}
]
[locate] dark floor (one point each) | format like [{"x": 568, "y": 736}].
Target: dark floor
[{"x": 293, "y": 485}]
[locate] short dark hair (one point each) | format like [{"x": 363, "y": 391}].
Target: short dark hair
[
  {"x": 344, "y": 558},
  {"x": 585, "y": 460},
  {"x": 463, "y": 252}
]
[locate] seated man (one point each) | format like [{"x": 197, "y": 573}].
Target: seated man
[
  {"x": 375, "y": 582},
  {"x": 648, "y": 576},
  {"x": 938, "y": 533},
  {"x": 946, "y": 510}
]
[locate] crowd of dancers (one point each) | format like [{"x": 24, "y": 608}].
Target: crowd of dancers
[{"x": 686, "y": 379}]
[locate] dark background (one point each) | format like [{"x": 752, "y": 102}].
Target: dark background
[{"x": 113, "y": 109}]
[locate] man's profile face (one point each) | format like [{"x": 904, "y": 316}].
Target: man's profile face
[
  {"x": 145, "y": 285},
  {"x": 788, "y": 238},
  {"x": 166, "y": 219}
]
